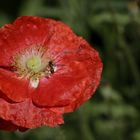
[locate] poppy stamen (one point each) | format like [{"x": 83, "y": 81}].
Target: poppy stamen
[{"x": 33, "y": 64}]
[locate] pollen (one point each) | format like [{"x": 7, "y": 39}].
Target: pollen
[{"x": 33, "y": 64}]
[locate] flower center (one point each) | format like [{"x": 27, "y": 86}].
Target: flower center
[{"x": 33, "y": 64}]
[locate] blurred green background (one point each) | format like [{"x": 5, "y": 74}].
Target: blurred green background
[{"x": 113, "y": 28}]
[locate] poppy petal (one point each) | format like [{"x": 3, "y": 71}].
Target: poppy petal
[
  {"x": 7, "y": 125},
  {"x": 25, "y": 32},
  {"x": 14, "y": 88},
  {"x": 77, "y": 73},
  {"x": 27, "y": 115}
]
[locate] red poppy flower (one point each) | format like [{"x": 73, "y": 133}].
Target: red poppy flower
[{"x": 45, "y": 71}]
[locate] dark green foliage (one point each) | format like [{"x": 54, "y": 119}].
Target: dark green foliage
[{"x": 113, "y": 28}]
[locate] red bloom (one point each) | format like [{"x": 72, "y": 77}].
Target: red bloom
[{"x": 45, "y": 71}]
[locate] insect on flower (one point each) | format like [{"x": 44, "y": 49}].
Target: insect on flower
[{"x": 45, "y": 71}]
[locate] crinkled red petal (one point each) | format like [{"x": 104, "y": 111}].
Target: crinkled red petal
[
  {"x": 9, "y": 126},
  {"x": 27, "y": 115},
  {"x": 14, "y": 88},
  {"x": 23, "y": 33},
  {"x": 78, "y": 70}
]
